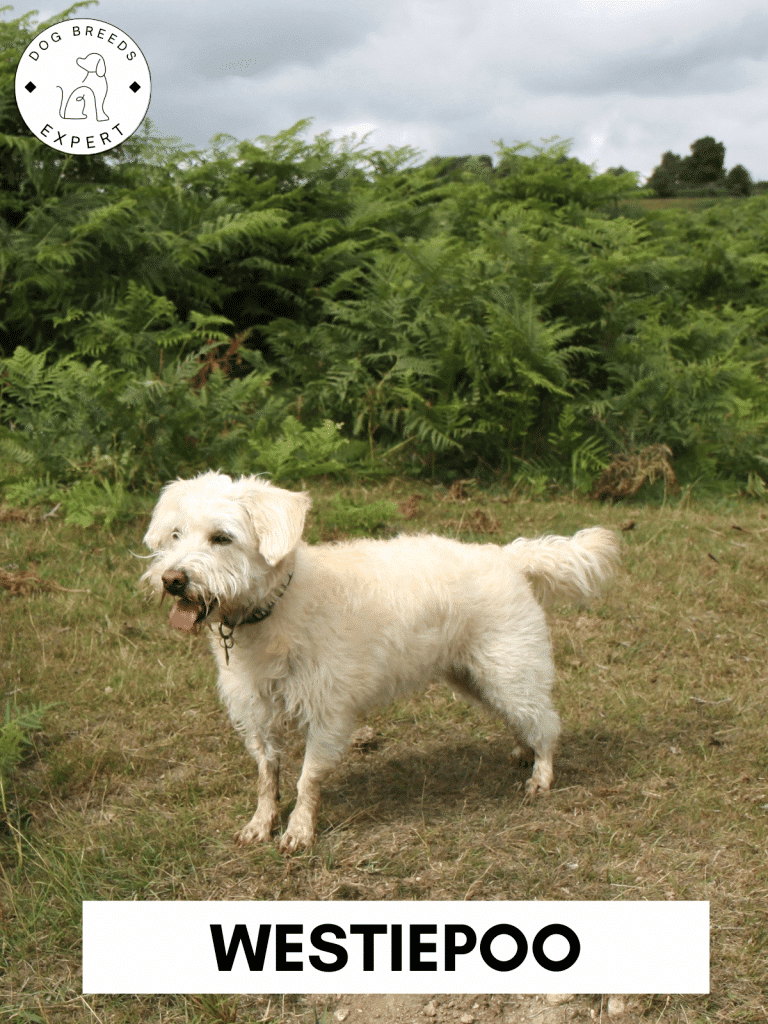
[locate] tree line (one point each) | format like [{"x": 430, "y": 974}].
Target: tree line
[{"x": 701, "y": 172}]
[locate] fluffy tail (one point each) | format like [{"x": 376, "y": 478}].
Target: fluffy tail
[{"x": 567, "y": 568}]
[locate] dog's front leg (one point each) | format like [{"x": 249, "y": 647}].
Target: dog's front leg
[
  {"x": 320, "y": 757},
  {"x": 259, "y": 828}
]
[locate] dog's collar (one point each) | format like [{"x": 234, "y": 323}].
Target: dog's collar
[{"x": 227, "y": 627}]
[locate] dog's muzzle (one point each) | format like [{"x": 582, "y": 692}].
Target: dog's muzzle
[{"x": 185, "y": 614}]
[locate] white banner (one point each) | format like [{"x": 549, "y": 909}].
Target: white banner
[{"x": 395, "y": 947}]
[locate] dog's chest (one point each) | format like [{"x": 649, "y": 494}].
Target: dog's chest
[{"x": 263, "y": 663}]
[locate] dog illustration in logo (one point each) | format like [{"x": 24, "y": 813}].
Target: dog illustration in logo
[{"x": 90, "y": 88}]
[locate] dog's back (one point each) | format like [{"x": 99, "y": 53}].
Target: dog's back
[{"x": 557, "y": 568}]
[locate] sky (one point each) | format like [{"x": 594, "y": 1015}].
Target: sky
[{"x": 625, "y": 80}]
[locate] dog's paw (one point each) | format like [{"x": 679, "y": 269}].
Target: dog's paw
[
  {"x": 296, "y": 837},
  {"x": 253, "y": 832},
  {"x": 537, "y": 785}
]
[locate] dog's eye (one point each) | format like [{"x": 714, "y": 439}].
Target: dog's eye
[
  {"x": 220, "y": 538},
  {"x": 175, "y": 535}
]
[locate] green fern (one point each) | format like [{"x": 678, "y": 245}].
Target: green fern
[
  {"x": 459, "y": 315},
  {"x": 15, "y": 735},
  {"x": 300, "y": 452}
]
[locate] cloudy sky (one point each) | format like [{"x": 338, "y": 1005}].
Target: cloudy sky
[{"x": 624, "y": 79}]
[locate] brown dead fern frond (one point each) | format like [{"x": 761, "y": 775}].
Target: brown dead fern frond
[
  {"x": 217, "y": 357},
  {"x": 627, "y": 472}
]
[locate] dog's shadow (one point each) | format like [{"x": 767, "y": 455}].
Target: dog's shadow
[{"x": 435, "y": 780}]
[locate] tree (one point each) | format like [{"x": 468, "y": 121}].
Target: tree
[
  {"x": 452, "y": 168},
  {"x": 662, "y": 183},
  {"x": 738, "y": 181},
  {"x": 664, "y": 179},
  {"x": 705, "y": 165}
]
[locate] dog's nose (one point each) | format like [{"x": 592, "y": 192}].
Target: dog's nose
[{"x": 174, "y": 581}]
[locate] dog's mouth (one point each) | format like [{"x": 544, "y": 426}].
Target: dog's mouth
[{"x": 189, "y": 615}]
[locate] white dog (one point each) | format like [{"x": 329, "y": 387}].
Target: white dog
[{"x": 312, "y": 636}]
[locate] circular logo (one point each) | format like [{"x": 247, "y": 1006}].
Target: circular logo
[{"x": 82, "y": 86}]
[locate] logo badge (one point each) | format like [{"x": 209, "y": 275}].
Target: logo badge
[{"x": 83, "y": 86}]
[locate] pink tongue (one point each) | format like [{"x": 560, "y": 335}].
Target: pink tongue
[{"x": 184, "y": 615}]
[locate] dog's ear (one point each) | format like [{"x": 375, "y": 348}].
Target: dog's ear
[
  {"x": 278, "y": 519},
  {"x": 155, "y": 535}
]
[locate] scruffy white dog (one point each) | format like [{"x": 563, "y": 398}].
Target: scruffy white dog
[{"x": 312, "y": 636}]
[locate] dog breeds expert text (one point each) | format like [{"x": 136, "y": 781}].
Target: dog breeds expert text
[{"x": 311, "y": 637}]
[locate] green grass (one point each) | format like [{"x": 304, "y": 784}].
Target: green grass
[{"x": 137, "y": 783}]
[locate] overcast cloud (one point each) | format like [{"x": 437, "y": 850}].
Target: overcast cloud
[{"x": 624, "y": 79}]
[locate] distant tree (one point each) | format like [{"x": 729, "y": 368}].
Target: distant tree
[
  {"x": 738, "y": 181},
  {"x": 664, "y": 179},
  {"x": 482, "y": 161},
  {"x": 662, "y": 183},
  {"x": 452, "y": 167},
  {"x": 672, "y": 163},
  {"x": 617, "y": 171},
  {"x": 705, "y": 165}
]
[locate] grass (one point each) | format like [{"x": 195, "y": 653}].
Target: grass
[{"x": 136, "y": 784}]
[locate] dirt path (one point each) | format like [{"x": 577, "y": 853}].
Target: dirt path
[{"x": 479, "y": 1009}]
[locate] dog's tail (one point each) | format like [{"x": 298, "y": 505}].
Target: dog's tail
[{"x": 567, "y": 568}]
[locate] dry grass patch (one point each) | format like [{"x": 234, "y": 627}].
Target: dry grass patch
[{"x": 138, "y": 783}]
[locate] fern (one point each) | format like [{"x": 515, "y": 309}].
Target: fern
[
  {"x": 463, "y": 316},
  {"x": 87, "y": 435},
  {"x": 90, "y": 500},
  {"x": 300, "y": 452},
  {"x": 15, "y": 735}
]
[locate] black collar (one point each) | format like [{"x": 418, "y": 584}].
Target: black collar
[{"x": 257, "y": 615}]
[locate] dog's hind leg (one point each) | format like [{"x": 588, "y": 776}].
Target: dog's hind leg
[
  {"x": 528, "y": 710},
  {"x": 259, "y": 828},
  {"x": 539, "y": 732},
  {"x": 536, "y": 725}
]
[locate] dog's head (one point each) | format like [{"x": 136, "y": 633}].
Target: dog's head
[{"x": 222, "y": 544}]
